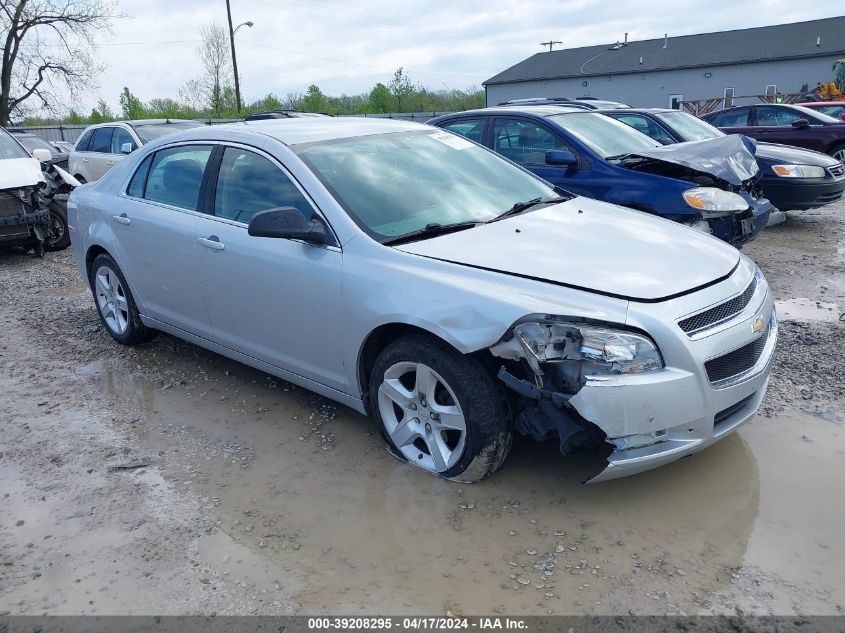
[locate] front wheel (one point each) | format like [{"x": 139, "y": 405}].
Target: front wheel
[
  {"x": 115, "y": 303},
  {"x": 58, "y": 237},
  {"x": 838, "y": 153},
  {"x": 440, "y": 410}
]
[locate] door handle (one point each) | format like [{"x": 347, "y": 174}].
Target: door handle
[
  {"x": 121, "y": 219},
  {"x": 213, "y": 242}
]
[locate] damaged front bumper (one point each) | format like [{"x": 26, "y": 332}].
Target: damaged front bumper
[
  {"x": 714, "y": 379},
  {"x": 742, "y": 227}
]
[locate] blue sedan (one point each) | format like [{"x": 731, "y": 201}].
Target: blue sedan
[{"x": 709, "y": 185}]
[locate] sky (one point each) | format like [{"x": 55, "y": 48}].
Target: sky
[{"x": 346, "y": 47}]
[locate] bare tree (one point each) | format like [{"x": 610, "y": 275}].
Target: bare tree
[
  {"x": 217, "y": 61},
  {"x": 48, "y": 52}
]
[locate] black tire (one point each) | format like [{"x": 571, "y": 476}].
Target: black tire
[
  {"x": 489, "y": 429},
  {"x": 136, "y": 332},
  {"x": 59, "y": 238}
]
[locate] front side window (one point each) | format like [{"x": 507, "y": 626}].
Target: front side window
[
  {"x": 101, "y": 141},
  {"x": 9, "y": 147},
  {"x": 248, "y": 183},
  {"x": 524, "y": 142},
  {"x": 731, "y": 118},
  {"x": 646, "y": 126},
  {"x": 605, "y": 136},
  {"x": 777, "y": 117},
  {"x": 176, "y": 174},
  {"x": 472, "y": 129},
  {"x": 689, "y": 127},
  {"x": 119, "y": 138},
  {"x": 398, "y": 183}
]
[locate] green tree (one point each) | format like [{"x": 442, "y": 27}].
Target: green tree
[
  {"x": 131, "y": 106},
  {"x": 315, "y": 100},
  {"x": 380, "y": 99},
  {"x": 401, "y": 88}
]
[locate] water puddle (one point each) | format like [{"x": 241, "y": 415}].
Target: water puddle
[{"x": 807, "y": 310}]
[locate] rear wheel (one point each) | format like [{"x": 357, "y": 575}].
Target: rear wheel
[
  {"x": 440, "y": 410},
  {"x": 115, "y": 303}
]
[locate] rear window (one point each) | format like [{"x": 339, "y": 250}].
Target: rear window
[{"x": 151, "y": 131}]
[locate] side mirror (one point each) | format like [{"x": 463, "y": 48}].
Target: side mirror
[
  {"x": 127, "y": 148},
  {"x": 289, "y": 223},
  {"x": 561, "y": 157},
  {"x": 800, "y": 123},
  {"x": 842, "y": 115},
  {"x": 42, "y": 155}
]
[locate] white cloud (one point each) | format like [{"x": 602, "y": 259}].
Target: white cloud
[{"x": 346, "y": 48}]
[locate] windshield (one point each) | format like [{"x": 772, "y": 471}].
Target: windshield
[
  {"x": 398, "y": 183},
  {"x": 9, "y": 147},
  {"x": 35, "y": 142},
  {"x": 606, "y": 137},
  {"x": 689, "y": 127},
  {"x": 151, "y": 131}
]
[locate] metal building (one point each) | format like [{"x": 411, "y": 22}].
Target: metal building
[{"x": 662, "y": 72}]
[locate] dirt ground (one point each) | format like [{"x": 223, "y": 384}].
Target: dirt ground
[{"x": 166, "y": 479}]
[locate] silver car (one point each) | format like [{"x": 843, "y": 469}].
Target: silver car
[{"x": 417, "y": 277}]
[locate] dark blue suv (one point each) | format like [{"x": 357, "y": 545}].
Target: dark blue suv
[{"x": 710, "y": 185}]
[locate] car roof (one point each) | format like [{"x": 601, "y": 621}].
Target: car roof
[
  {"x": 537, "y": 110},
  {"x": 298, "y": 130},
  {"x": 822, "y": 103}
]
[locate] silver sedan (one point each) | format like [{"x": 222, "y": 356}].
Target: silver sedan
[{"x": 419, "y": 278}]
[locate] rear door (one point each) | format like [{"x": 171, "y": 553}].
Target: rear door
[
  {"x": 155, "y": 234},
  {"x": 774, "y": 125},
  {"x": 526, "y": 141},
  {"x": 276, "y": 300}
]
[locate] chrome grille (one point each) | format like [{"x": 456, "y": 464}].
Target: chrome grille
[
  {"x": 738, "y": 361},
  {"x": 719, "y": 313},
  {"x": 837, "y": 170}
]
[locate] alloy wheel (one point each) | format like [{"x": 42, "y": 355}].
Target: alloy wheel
[
  {"x": 422, "y": 416},
  {"x": 111, "y": 300},
  {"x": 840, "y": 155}
]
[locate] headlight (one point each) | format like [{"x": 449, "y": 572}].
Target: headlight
[
  {"x": 606, "y": 349},
  {"x": 714, "y": 202},
  {"x": 799, "y": 171}
]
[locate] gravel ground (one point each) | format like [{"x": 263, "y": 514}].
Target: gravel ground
[{"x": 167, "y": 479}]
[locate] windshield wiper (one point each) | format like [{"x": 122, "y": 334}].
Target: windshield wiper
[
  {"x": 618, "y": 156},
  {"x": 521, "y": 207},
  {"x": 430, "y": 230}
]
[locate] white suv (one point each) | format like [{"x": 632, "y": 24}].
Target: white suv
[{"x": 101, "y": 146}]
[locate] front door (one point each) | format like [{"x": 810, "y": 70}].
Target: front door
[
  {"x": 276, "y": 300},
  {"x": 154, "y": 228},
  {"x": 774, "y": 125}
]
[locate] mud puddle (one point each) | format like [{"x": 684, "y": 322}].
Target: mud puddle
[
  {"x": 802, "y": 309},
  {"x": 308, "y": 488}
]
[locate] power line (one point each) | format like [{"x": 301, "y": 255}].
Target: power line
[{"x": 367, "y": 20}]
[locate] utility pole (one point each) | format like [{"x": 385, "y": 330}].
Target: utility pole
[
  {"x": 234, "y": 58},
  {"x": 550, "y": 43}
]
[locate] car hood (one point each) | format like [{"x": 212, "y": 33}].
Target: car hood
[
  {"x": 590, "y": 245},
  {"x": 793, "y": 155},
  {"x": 19, "y": 172},
  {"x": 730, "y": 158}
]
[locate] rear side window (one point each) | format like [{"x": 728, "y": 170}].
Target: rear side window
[
  {"x": 175, "y": 175},
  {"x": 83, "y": 143},
  {"x": 731, "y": 118},
  {"x": 248, "y": 183},
  {"x": 101, "y": 141},
  {"x": 472, "y": 129},
  {"x": 139, "y": 180}
]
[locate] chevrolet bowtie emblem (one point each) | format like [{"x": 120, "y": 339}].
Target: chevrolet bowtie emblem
[{"x": 758, "y": 325}]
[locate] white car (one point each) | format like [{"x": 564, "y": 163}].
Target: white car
[
  {"x": 102, "y": 146},
  {"x": 418, "y": 277}
]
